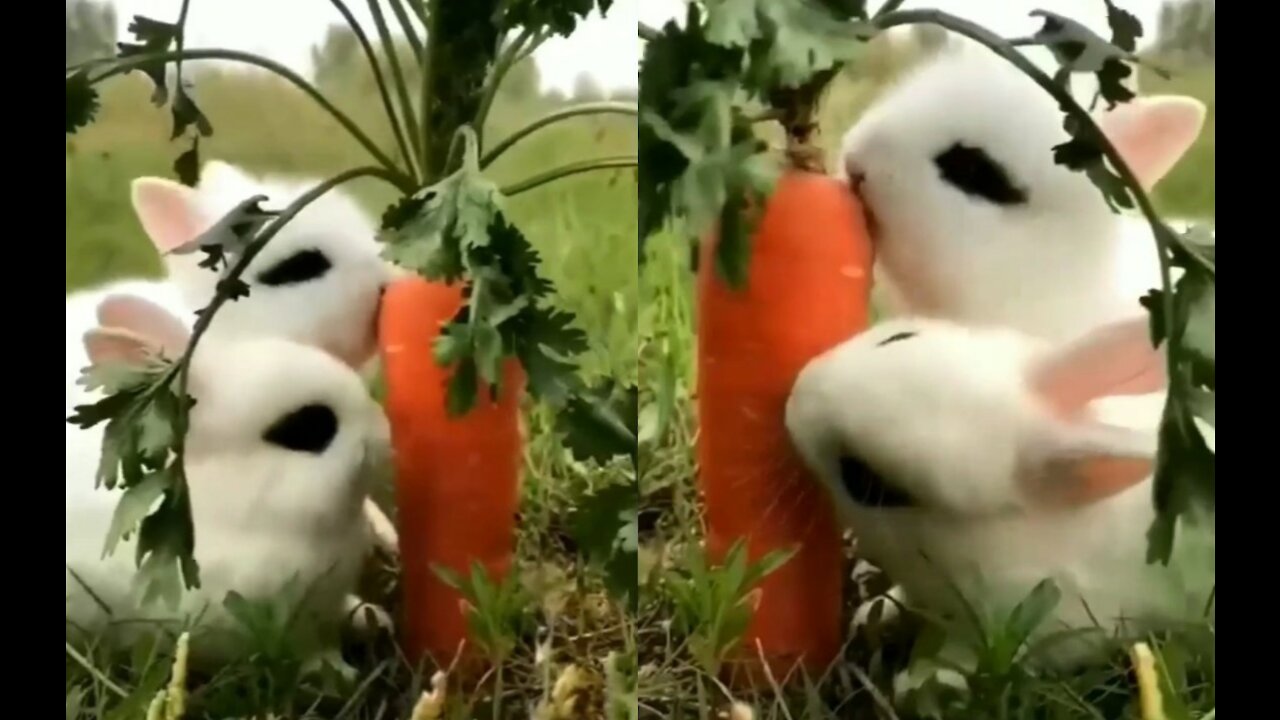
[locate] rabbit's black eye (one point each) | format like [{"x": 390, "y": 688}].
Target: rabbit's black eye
[
  {"x": 300, "y": 267},
  {"x": 867, "y": 488},
  {"x": 896, "y": 337},
  {"x": 972, "y": 171},
  {"x": 308, "y": 429}
]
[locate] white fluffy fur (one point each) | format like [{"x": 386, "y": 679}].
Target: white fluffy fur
[
  {"x": 948, "y": 417},
  {"x": 1054, "y": 267},
  {"x": 336, "y": 312},
  {"x": 261, "y": 513}
]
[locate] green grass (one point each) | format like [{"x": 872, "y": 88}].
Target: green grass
[
  {"x": 585, "y": 229},
  {"x": 857, "y": 685}
]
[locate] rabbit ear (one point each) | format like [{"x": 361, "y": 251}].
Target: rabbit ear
[
  {"x": 1152, "y": 133},
  {"x": 117, "y": 345},
  {"x": 168, "y": 212},
  {"x": 145, "y": 321},
  {"x": 1090, "y": 461},
  {"x": 1115, "y": 359}
]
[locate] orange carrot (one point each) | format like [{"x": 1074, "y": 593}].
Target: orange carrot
[
  {"x": 457, "y": 479},
  {"x": 808, "y": 288}
]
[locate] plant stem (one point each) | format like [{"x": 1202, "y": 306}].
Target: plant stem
[
  {"x": 460, "y": 56},
  {"x": 646, "y": 32},
  {"x": 500, "y": 67},
  {"x": 597, "y": 108},
  {"x": 410, "y": 32},
  {"x": 998, "y": 45},
  {"x": 388, "y": 46},
  {"x": 888, "y": 7},
  {"x": 621, "y": 161},
  {"x": 83, "y": 662},
  {"x": 125, "y": 65},
  {"x": 179, "y": 40},
  {"x": 432, "y": 20},
  {"x": 378, "y": 78}
]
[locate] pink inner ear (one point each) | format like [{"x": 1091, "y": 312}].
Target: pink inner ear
[
  {"x": 115, "y": 345},
  {"x": 145, "y": 320},
  {"x": 167, "y": 211},
  {"x": 1153, "y": 133},
  {"x": 1116, "y": 359},
  {"x": 1090, "y": 480}
]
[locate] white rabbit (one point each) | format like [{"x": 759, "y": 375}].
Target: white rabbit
[
  {"x": 973, "y": 220},
  {"x": 277, "y": 453},
  {"x": 991, "y": 459},
  {"x": 319, "y": 281}
]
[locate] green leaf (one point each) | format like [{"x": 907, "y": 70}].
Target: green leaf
[
  {"x": 82, "y": 101},
  {"x": 431, "y": 232},
  {"x": 560, "y": 17},
  {"x": 186, "y": 114},
  {"x": 1184, "y": 478},
  {"x": 135, "y": 504},
  {"x": 187, "y": 166},
  {"x": 1079, "y": 49},
  {"x": 1125, "y": 27},
  {"x": 1084, "y": 152},
  {"x": 453, "y": 344},
  {"x": 227, "y": 239},
  {"x": 601, "y": 423},
  {"x": 153, "y": 37},
  {"x": 1030, "y": 613},
  {"x": 604, "y": 527}
]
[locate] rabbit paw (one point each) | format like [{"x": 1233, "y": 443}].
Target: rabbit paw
[
  {"x": 879, "y": 614},
  {"x": 385, "y": 537},
  {"x": 368, "y": 620}
]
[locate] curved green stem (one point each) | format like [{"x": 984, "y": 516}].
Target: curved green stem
[
  {"x": 388, "y": 46},
  {"x": 646, "y": 32},
  {"x": 410, "y": 32},
  {"x": 888, "y": 7},
  {"x": 609, "y": 163},
  {"x": 378, "y": 78},
  {"x": 597, "y": 108},
  {"x": 125, "y": 65},
  {"x": 83, "y": 662},
  {"x": 499, "y": 71}
]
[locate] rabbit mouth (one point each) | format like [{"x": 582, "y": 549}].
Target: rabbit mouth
[{"x": 868, "y": 489}]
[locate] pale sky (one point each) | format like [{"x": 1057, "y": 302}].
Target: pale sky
[{"x": 609, "y": 50}]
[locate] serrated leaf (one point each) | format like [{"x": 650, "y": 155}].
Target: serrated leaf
[
  {"x": 228, "y": 237},
  {"x": 187, "y": 166},
  {"x": 82, "y": 101},
  {"x": 601, "y": 423},
  {"x": 734, "y": 23},
  {"x": 135, "y": 504},
  {"x": 560, "y": 17},
  {"x": 1125, "y": 27},
  {"x": 1184, "y": 480},
  {"x": 153, "y": 37},
  {"x": 453, "y": 344},
  {"x": 1079, "y": 49},
  {"x": 602, "y": 527},
  {"x": 186, "y": 113}
]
